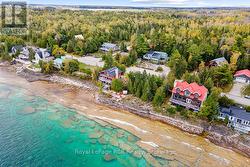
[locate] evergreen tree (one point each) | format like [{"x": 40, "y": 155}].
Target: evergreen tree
[
  {"x": 159, "y": 96},
  {"x": 177, "y": 64},
  {"x": 210, "y": 108},
  {"x": 117, "y": 85},
  {"x": 146, "y": 91},
  {"x": 141, "y": 46}
]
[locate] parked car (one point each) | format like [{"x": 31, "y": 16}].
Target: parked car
[{"x": 247, "y": 97}]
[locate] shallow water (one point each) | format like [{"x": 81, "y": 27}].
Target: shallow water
[{"x": 36, "y": 132}]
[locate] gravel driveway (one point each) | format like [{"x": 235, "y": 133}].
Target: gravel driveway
[
  {"x": 164, "y": 73},
  {"x": 92, "y": 61},
  {"x": 235, "y": 94}
]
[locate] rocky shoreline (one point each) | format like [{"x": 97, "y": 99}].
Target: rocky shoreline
[{"x": 231, "y": 140}]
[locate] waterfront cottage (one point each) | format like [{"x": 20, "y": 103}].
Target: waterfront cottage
[
  {"x": 24, "y": 54},
  {"x": 188, "y": 95},
  {"x": 58, "y": 63},
  {"x": 242, "y": 76},
  {"x": 218, "y": 62},
  {"x": 17, "y": 48},
  {"x": 108, "y": 75},
  {"x": 156, "y": 57},
  {"x": 42, "y": 54},
  {"x": 238, "y": 118},
  {"x": 106, "y": 47}
]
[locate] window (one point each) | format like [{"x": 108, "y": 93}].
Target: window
[
  {"x": 178, "y": 90},
  {"x": 239, "y": 121},
  {"x": 187, "y": 93},
  {"x": 189, "y": 101},
  {"x": 196, "y": 95}
]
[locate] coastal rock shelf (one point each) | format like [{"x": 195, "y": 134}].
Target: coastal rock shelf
[
  {"x": 225, "y": 140},
  {"x": 61, "y": 135}
]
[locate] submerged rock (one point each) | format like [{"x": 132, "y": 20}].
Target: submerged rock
[
  {"x": 151, "y": 160},
  {"x": 102, "y": 123},
  {"x": 114, "y": 142},
  {"x": 66, "y": 123},
  {"x": 96, "y": 135},
  {"x": 102, "y": 140},
  {"x": 126, "y": 147},
  {"x": 28, "y": 98},
  {"x": 120, "y": 134},
  {"x": 131, "y": 138},
  {"x": 82, "y": 130},
  {"x": 93, "y": 141},
  {"x": 54, "y": 116},
  {"x": 28, "y": 110},
  {"x": 70, "y": 140},
  {"x": 138, "y": 154},
  {"x": 109, "y": 157},
  {"x": 4, "y": 94}
]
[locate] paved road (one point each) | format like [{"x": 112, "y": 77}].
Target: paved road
[{"x": 235, "y": 94}]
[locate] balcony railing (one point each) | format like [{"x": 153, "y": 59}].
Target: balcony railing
[
  {"x": 105, "y": 80},
  {"x": 184, "y": 104},
  {"x": 240, "y": 127}
]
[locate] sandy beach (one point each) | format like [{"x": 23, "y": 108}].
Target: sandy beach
[{"x": 160, "y": 139}]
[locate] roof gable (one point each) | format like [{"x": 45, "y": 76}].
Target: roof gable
[
  {"x": 236, "y": 112},
  {"x": 245, "y": 72},
  {"x": 193, "y": 88}
]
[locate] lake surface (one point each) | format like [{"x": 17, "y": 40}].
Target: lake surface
[{"x": 36, "y": 132}]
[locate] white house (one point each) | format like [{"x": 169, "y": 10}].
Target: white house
[
  {"x": 238, "y": 118},
  {"x": 106, "y": 47},
  {"x": 79, "y": 37},
  {"x": 242, "y": 76},
  {"x": 43, "y": 54},
  {"x": 156, "y": 57},
  {"x": 16, "y": 48}
]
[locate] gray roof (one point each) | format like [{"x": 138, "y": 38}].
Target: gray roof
[
  {"x": 109, "y": 45},
  {"x": 18, "y": 47},
  {"x": 220, "y": 60},
  {"x": 236, "y": 112},
  {"x": 156, "y": 55},
  {"x": 40, "y": 54}
]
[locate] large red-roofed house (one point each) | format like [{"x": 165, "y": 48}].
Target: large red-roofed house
[
  {"x": 242, "y": 76},
  {"x": 188, "y": 95}
]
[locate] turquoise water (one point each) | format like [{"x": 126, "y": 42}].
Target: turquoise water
[{"x": 36, "y": 132}]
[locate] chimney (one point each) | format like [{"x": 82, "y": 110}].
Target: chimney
[{"x": 116, "y": 73}]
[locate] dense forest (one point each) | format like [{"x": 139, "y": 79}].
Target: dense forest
[
  {"x": 197, "y": 36},
  {"x": 191, "y": 38}
]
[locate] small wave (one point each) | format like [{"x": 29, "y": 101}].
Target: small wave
[
  {"x": 222, "y": 160},
  {"x": 167, "y": 137},
  {"x": 150, "y": 143},
  {"x": 192, "y": 146},
  {"x": 120, "y": 122}
]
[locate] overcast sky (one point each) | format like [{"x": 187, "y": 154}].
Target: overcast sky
[{"x": 161, "y": 3}]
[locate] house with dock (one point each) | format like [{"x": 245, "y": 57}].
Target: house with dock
[
  {"x": 238, "y": 118},
  {"x": 190, "y": 96},
  {"x": 156, "y": 57},
  {"x": 106, "y": 47},
  {"x": 242, "y": 76},
  {"x": 107, "y": 76}
]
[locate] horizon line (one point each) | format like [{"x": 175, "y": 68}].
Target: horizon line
[{"x": 130, "y": 6}]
